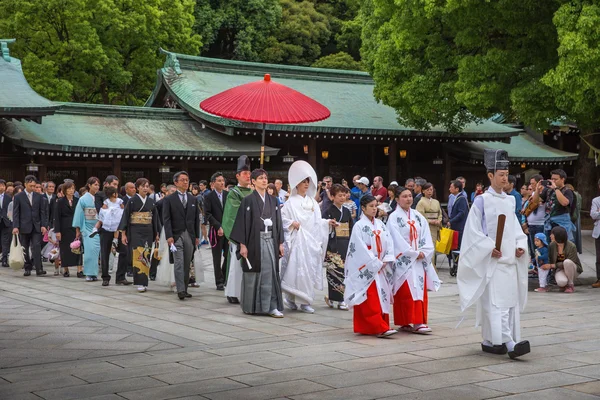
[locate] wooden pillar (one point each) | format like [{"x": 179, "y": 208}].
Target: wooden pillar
[
  {"x": 116, "y": 167},
  {"x": 392, "y": 160},
  {"x": 372, "y": 154},
  {"x": 43, "y": 169},
  {"x": 312, "y": 153},
  {"x": 447, "y": 177}
]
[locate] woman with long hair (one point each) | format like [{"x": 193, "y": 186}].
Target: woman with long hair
[
  {"x": 84, "y": 221},
  {"x": 430, "y": 208}
]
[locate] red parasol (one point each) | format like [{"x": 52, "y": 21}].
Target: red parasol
[{"x": 266, "y": 102}]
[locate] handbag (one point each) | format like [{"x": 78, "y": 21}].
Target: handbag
[
  {"x": 444, "y": 244},
  {"x": 16, "y": 257},
  {"x": 454, "y": 240}
]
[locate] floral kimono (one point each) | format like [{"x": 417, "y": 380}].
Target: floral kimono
[{"x": 369, "y": 275}]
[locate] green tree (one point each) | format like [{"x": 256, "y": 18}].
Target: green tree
[
  {"x": 99, "y": 51},
  {"x": 339, "y": 60},
  {"x": 236, "y": 29},
  {"x": 300, "y": 36},
  {"x": 456, "y": 61}
]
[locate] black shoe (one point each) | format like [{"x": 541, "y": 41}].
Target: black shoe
[
  {"x": 40, "y": 273},
  {"x": 520, "y": 349},
  {"x": 94, "y": 279},
  {"x": 192, "y": 280},
  {"x": 66, "y": 274},
  {"x": 27, "y": 273},
  {"x": 220, "y": 286},
  {"x": 80, "y": 274},
  {"x": 181, "y": 295},
  {"x": 105, "y": 282},
  {"x": 152, "y": 277},
  {"x": 4, "y": 264},
  {"x": 187, "y": 294},
  {"x": 233, "y": 300},
  {"x": 497, "y": 349},
  {"x": 124, "y": 282}
]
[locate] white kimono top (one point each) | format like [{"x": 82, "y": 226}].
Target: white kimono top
[{"x": 410, "y": 233}]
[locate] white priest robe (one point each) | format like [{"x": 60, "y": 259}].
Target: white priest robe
[
  {"x": 304, "y": 248},
  {"x": 497, "y": 286},
  {"x": 369, "y": 259},
  {"x": 410, "y": 233}
]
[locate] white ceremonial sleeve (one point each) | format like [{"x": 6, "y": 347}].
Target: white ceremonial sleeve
[
  {"x": 404, "y": 255},
  {"x": 522, "y": 264},
  {"x": 476, "y": 264},
  {"x": 428, "y": 249},
  {"x": 361, "y": 268}
]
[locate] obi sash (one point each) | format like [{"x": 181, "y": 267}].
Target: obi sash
[
  {"x": 141, "y": 218},
  {"x": 342, "y": 230},
  {"x": 90, "y": 213}
]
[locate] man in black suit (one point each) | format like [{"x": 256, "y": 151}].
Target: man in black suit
[
  {"x": 214, "y": 202},
  {"x": 30, "y": 220},
  {"x": 181, "y": 220},
  {"x": 50, "y": 195},
  {"x": 5, "y": 224}
]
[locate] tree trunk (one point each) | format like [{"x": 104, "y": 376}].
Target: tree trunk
[{"x": 586, "y": 173}]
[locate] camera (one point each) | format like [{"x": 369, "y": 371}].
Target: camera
[
  {"x": 323, "y": 185},
  {"x": 546, "y": 183}
]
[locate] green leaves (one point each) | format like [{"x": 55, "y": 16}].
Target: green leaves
[{"x": 99, "y": 51}]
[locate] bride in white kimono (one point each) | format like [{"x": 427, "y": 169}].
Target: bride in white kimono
[
  {"x": 370, "y": 272},
  {"x": 306, "y": 237},
  {"x": 414, "y": 274}
]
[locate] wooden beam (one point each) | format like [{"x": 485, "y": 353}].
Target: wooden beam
[{"x": 392, "y": 161}]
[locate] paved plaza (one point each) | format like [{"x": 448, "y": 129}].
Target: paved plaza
[{"x": 63, "y": 339}]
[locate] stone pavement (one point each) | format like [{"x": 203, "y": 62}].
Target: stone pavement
[{"x": 63, "y": 339}]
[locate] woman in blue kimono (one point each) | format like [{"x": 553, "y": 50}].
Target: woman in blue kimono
[{"x": 84, "y": 220}]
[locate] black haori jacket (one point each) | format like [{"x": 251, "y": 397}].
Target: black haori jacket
[{"x": 248, "y": 224}]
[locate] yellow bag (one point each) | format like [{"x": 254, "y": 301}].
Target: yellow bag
[{"x": 444, "y": 245}]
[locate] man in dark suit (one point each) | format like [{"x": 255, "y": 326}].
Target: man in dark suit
[
  {"x": 5, "y": 224},
  {"x": 181, "y": 220},
  {"x": 459, "y": 211},
  {"x": 30, "y": 220},
  {"x": 50, "y": 195},
  {"x": 214, "y": 201}
]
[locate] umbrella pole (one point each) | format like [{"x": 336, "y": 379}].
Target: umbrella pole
[{"x": 262, "y": 147}]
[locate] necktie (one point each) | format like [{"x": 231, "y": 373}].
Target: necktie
[
  {"x": 183, "y": 199},
  {"x": 220, "y": 197},
  {"x": 1, "y": 200},
  {"x": 29, "y": 196}
]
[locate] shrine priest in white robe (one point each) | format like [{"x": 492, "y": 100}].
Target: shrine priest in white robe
[
  {"x": 306, "y": 237},
  {"x": 495, "y": 279}
]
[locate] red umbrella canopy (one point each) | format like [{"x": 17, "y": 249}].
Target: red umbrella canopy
[{"x": 267, "y": 102}]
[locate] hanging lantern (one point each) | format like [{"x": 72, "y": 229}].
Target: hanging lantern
[
  {"x": 325, "y": 154},
  {"x": 438, "y": 161},
  {"x": 386, "y": 150},
  {"x": 523, "y": 165},
  {"x": 402, "y": 153},
  {"x": 288, "y": 158},
  {"x": 305, "y": 149},
  {"x": 164, "y": 169}
]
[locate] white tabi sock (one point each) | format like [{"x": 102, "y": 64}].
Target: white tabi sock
[
  {"x": 487, "y": 343},
  {"x": 510, "y": 345}
]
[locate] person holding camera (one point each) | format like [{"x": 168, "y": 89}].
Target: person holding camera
[
  {"x": 559, "y": 200},
  {"x": 326, "y": 199}
]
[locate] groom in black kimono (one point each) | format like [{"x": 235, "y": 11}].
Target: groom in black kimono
[{"x": 259, "y": 232}]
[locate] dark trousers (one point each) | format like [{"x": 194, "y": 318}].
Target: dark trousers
[
  {"x": 32, "y": 240},
  {"x": 5, "y": 238},
  {"x": 220, "y": 252},
  {"x": 124, "y": 262},
  {"x": 106, "y": 238},
  {"x": 597, "y": 241}
]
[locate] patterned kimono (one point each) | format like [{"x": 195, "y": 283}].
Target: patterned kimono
[
  {"x": 369, "y": 275},
  {"x": 85, "y": 219},
  {"x": 410, "y": 233}
]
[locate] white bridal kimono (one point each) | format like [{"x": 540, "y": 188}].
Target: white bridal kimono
[
  {"x": 304, "y": 248},
  {"x": 410, "y": 233},
  {"x": 497, "y": 286},
  {"x": 165, "y": 273},
  {"x": 369, "y": 259}
]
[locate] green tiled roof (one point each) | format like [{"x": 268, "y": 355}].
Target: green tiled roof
[
  {"x": 17, "y": 98},
  {"x": 126, "y": 130},
  {"x": 347, "y": 94},
  {"x": 522, "y": 148}
]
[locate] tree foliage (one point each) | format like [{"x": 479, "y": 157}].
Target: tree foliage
[
  {"x": 236, "y": 29},
  {"x": 100, "y": 51},
  {"x": 339, "y": 60}
]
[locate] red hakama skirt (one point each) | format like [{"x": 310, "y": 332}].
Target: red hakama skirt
[
  {"x": 408, "y": 311},
  {"x": 368, "y": 316}
]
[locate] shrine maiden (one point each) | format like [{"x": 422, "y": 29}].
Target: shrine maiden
[
  {"x": 414, "y": 273},
  {"x": 495, "y": 280},
  {"x": 305, "y": 239},
  {"x": 370, "y": 272}
]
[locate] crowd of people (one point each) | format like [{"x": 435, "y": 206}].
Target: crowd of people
[{"x": 269, "y": 245}]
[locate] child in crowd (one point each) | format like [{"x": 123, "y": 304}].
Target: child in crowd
[
  {"x": 110, "y": 213},
  {"x": 541, "y": 258}
]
